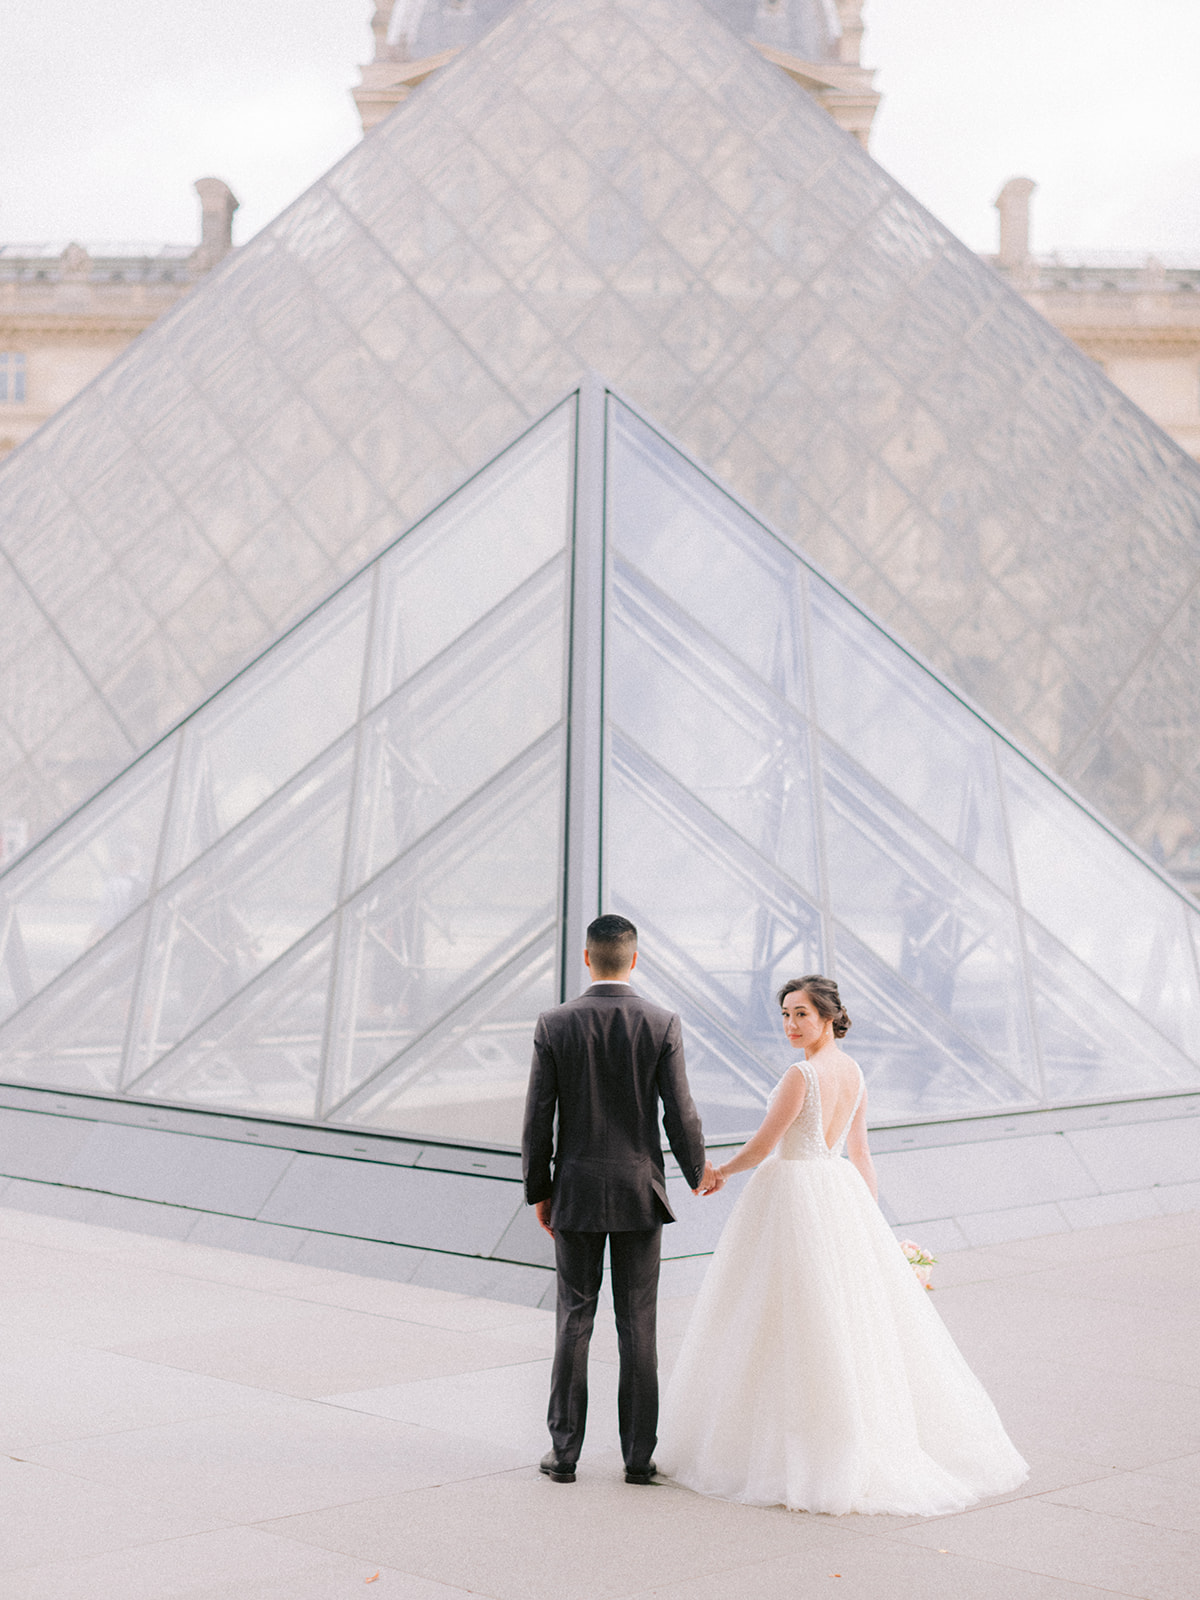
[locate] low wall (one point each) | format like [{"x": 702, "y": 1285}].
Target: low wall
[{"x": 454, "y": 1218}]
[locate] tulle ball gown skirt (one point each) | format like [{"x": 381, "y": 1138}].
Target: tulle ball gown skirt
[{"x": 816, "y": 1374}]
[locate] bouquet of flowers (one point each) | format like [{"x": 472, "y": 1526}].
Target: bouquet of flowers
[{"x": 920, "y": 1260}]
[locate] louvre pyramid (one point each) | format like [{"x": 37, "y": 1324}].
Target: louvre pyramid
[
  {"x": 622, "y": 185},
  {"x": 342, "y": 890},
  {"x": 804, "y": 27}
]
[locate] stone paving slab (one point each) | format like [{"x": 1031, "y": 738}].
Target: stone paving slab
[{"x": 184, "y": 1422}]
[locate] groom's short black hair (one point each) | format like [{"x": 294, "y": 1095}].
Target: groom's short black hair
[{"x": 611, "y": 942}]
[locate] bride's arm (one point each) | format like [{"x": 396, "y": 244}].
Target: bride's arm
[
  {"x": 858, "y": 1149},
  {"x": 781, "y": 1114}
]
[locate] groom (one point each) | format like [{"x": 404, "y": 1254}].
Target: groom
[{"x": 604, "y": 1061}]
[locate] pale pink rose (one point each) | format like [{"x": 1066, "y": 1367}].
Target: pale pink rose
[{"x": 920, "y": 1260}]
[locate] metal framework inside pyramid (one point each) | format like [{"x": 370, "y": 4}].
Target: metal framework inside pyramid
[
  {"x": 342, "y": 889},
  {"x": 625, "y": 186}
]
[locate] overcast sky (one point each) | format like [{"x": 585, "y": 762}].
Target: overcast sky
[{"x": 113, "y": 107}]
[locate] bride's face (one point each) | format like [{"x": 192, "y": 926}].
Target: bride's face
[{"x": 802, "y": 1022}]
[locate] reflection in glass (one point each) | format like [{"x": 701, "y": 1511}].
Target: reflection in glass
[
  {"x": 445, "y": 917},
  {"x": 269, "y": 724},
  {"x": 262, "y": 1051},
  {"x": 1109, "y": 910},
  {"x": 84, "y": 881},
  {"x": 714, "y": 915},
  {"x": 72, "y": 1035},
  {"x": 695, "y": 544},
  {"x": 917, "y": 1064},
  {"x": 455, "y": 724},
  {"x": 901, "y": 725},
  {"x": 467, "y": 1079},
  {"x": 462, "y": 561},
  {"x": 247, "y": 900},
  {"x": 942, "y": 929}
]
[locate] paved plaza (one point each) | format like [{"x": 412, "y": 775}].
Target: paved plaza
[{"x": 180, "y": 1421}]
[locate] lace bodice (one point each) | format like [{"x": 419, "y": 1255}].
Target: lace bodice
[{"x": 804, "y": 1140}]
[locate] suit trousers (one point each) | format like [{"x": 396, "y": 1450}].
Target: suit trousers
[{"x": 634, "y": 1261}]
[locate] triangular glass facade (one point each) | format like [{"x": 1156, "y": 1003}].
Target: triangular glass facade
[
  {"x": 347, "y": 861},
  {"x": 343, "y": 889},
  {"x": 623, "y": 185}
]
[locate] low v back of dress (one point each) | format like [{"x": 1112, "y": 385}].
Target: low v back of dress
[
  {"x": 815, "y": 1373},
  {"x": 807, "y": 1138}
]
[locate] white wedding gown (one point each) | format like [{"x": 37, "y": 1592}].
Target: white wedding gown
[{"x": 815, "y": 1373}]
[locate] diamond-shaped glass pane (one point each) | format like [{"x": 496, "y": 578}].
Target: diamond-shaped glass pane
[
  {"x": 464, "y": 560},
  {"x": 1098, "y": 900},
  {"x": 907, "y": 732},
  {"x": 72, "y": 1035},
  {"x": 446, "y": 916},
  {"x": 253, "y": 829},
  {"x": 946, "y": 932},
  {"x": 726, "y": 926},
  {"x": 262, "y": 1051},
  {"x": 94, "y": 873},
  {"x": 467, "y": 1079},
  {"x": 269, "y": 725},
  {"x": 459, "y": 721},
  {"x": 632, "y": 188},
  {"x": 251, "y": 897}
]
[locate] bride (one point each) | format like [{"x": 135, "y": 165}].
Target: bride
[{"x": 815, "y": 1373}]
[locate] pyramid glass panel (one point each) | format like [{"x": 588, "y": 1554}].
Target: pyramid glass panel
[
  {"x": 951, "y": 937},
  {"x": 369, "y": 859},
  {"x": 1079, "y": 1016},
  {"x": 99, "y": 870},
  {"x": 73, "y": 1034},
  {"x": 1079, "y": 884},
  {"x": 339, "y": 849},
  {"x": 629, "y": 187},
  {"x": 459, "y": 721},
  {"x": 269, "y": 726},
  {"x": 466, "y": 1078},
  {"x": 918, "y": 742},
  {"x": 242, "y": 904},
  {"x": 883, "y": 846},
  {"x": 260, "y": 1053},
  {"x": 447, "y": 915}
]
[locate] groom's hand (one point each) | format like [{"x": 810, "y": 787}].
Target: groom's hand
[
  {"x": 541, "y": 1211},
  {"x": 710, "y": 1182}
]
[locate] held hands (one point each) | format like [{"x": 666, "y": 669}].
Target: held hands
[
  {"x": 541, "y": 1211},
  {"x": 712, "y": 1180}
]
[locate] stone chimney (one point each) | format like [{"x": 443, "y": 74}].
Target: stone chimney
[
  {"x": 75, "y": 265},
  {"x": 1013, "y": 205},
  {"x": 217, "y": 205},
  {"x": 381, "y": 22},
  {"x": 850, "y": 44}
]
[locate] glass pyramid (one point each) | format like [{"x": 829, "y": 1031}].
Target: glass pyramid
[
  {"x": 342, "y": 890},
  {"x": 808, "y": 28},
  {"x": 624, "y": 185}
]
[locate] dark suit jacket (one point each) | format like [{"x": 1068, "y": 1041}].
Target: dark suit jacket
[{"x": 605, "y": 1062}]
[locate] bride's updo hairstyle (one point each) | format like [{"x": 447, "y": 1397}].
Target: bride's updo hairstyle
[{"x": 823, "y": 993}]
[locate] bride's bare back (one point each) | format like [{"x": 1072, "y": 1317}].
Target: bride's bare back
[{"x": 838, "y": 1079}]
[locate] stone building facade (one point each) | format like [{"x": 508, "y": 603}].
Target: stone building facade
[
  {"x": 66, "y": 312},
  {"x": 1134, "y": 314}
]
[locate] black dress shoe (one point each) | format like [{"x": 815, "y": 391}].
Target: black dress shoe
[
  {"x": 642, "y": 1475},
  {"x": 557, "y": 1471}
]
